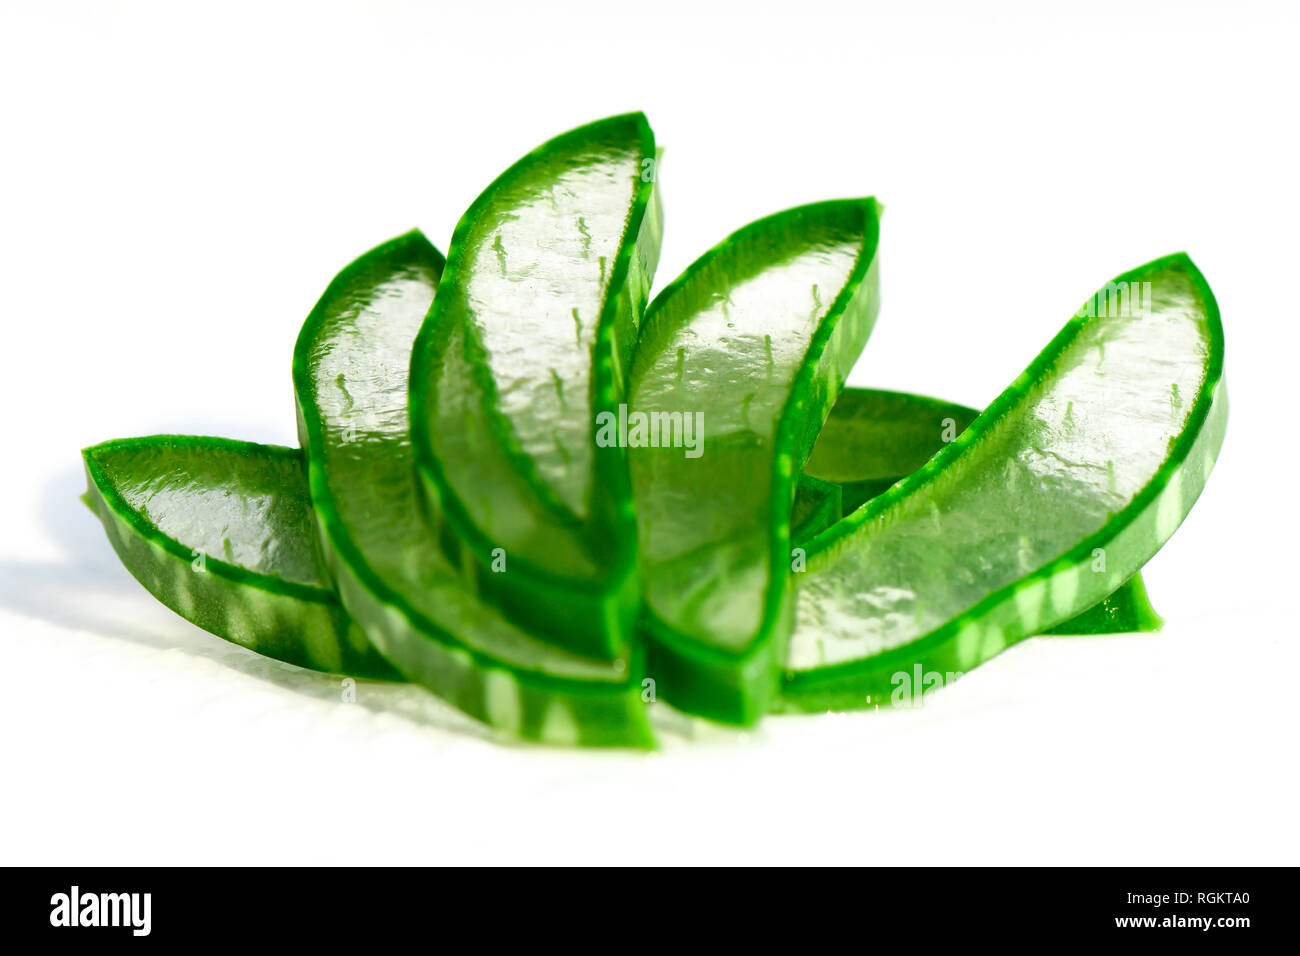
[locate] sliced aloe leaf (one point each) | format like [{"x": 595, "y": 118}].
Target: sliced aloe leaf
[
  {"x": 178, "y": 507},
  {"x": 1066, "y": 485},
  {"x": 220, "y": 532},
  {"x": 523, "y": 355},
  {"x": 873, "y": 439},
  {"x": 750, "y": 347},
  {"x": 351, "y": 383}
]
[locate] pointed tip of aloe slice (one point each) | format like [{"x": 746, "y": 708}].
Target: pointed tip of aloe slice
[
  {"x": 634, "y": 118},
  {"x": 413, "y": 237},
  {"x": 1179, "y": 261}
]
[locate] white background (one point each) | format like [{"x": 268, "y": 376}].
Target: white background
[{"x": 177, "y": 187}]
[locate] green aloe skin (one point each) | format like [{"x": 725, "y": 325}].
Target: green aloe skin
[
  {"x": 526, "y": 348},
  {"x": 753, "y": 342},
  {"x": 223, "y": 532},
  {"x": 822, "y": 541},
  {"x": 1054, "y": 497},
  {"x": 349, "y": 380},
  {"x": 874, "y": 439}
]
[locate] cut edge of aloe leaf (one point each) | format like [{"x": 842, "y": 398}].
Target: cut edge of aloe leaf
[
  {"x": 900, "y": 416},
  {"x": 535, "y": 595},
  {"x": 291, "y": 621},
  {"x": 739, "y": 687},
  {"x": 466, "y": 677},
  {"x": 1059, "y": 589}
]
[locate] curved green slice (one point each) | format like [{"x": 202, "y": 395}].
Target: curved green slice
[
  {"x": 351, "y": 384},
  {"x": 1055, "y": 496},
  {"x": 751, "y": 346},
  {"x": 524, "y": 353},
  {"x": 220, "y": 532},
  {"x": 873, "y": 439}
]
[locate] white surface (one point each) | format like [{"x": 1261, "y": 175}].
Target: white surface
[{"x": 177, "y": 188}]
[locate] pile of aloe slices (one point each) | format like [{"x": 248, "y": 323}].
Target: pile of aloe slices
[{"x": 555, "y": 504}]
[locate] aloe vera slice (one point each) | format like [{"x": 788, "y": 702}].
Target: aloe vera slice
[
  {"x": 220, "y": 532},
  {"x": 178, "y": 507},
  {"x": 1066, "y": 485},
  {"x": 751, "y": 344},
  {"x": 873, "y": 439},
  {"x": 351, "y": 384},
  {"x": 523, "y": 355}
]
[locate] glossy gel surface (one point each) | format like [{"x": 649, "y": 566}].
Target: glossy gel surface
[
  {"x": 874, "y": 439},
  {"x": 750, "y": 347},
  {"x": 350, "y": 376},
  {"x": 1054, "y": 497},
  {"x": 221, "y": 532},
  {"x": 527, "y": 343}
]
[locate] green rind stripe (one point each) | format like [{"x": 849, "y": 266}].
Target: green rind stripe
[
  {"x": 1055, "y": 593},
  {"x": 279, "y": 619},
  {"x": 1062, "y": 588},
  {"x": 532, "y": 705},
  {"x": 591, "y": 615},
  {"x": 737, "y": 686},
  {"x": 1125, "y": 610},
  {"x": 874, "y": 439}
]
